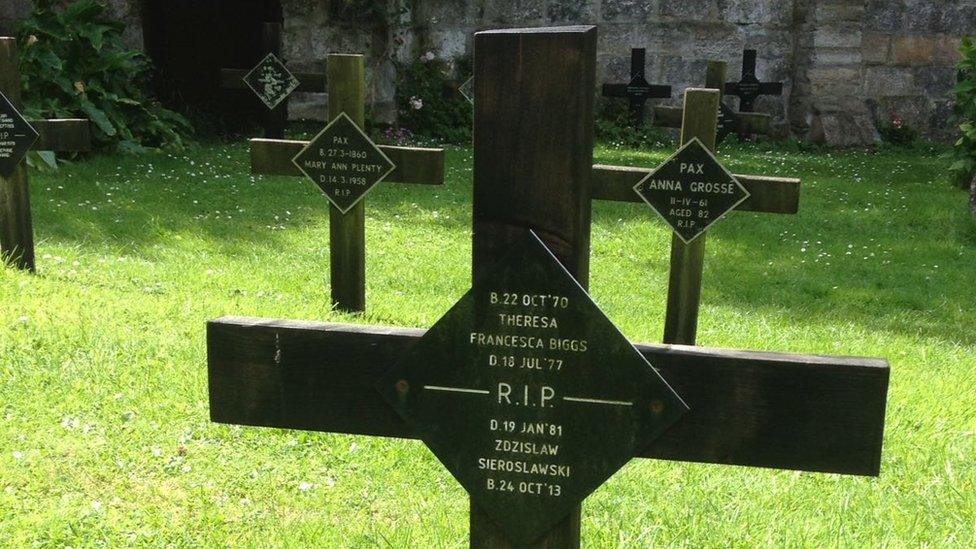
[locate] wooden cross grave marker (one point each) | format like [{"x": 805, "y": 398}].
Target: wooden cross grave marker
[
  {"x": 272, "y": 82},
  {"x": 638, "y": 90},
  {"x": 779, "y": 195},
  {"x": 749, "y": 87},
  {"x": 341, "y": 165},
  {"x": 730, "y": 121},
  {"x": 501, "y": 388},
  {"x": 17, "y": 136}
]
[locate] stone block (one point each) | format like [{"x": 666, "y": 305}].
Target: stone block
[
  {"x": 508, "y": 13},
  {"x": 844, "y": 129},
  {"x": 889, "y": 82},
  {"x": 884, "y": 16},
  {"x": 957, "y": 18},
  {"x": 837, "y": 36},
  {"x": 875, "y": 48},
  {"x": 824, "y": 57},
  {"x": 923, "y": 16},
  {"x": 571, "y": 12},
  {"x": 834, "y": 81},
  {"x": 628, "y": 11},
  {"x": 947, "y": 52},
  {"x": 935, "y": 82},
  {"x": 913, "y": 51},
  {"x": 767, "y": 13},
  {"x": 690, "y": 10}
]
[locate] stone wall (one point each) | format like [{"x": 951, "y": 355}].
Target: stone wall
[{"x": 848, "y": 65}]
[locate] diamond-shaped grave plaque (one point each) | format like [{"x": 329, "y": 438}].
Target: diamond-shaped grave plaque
[
  {"x": 467, "y": 90},
  {"x": 528, "y": 394},
  {"x": 16, "y": 136},
  {"x": 271, "y": 81},
  {"x": 343, "y": 162},
  {"x": 691, "y": 190}
]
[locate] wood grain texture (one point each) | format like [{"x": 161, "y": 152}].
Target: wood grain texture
[
  {"x": 414, "y": 165},
  {"x": 778, "y": 195},
  {"x": 783, "y": 411},
  {"x": 687, "y": 259},
  {"x": 16, "y": 227},
  {"x": 533, "y": 158},
  {"x": 62, "y": 135},
  {"x": 347, "y": 231},
  {"x": 533, "y": 138}
]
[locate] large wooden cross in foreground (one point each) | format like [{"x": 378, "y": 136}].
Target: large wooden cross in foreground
[
  {"x": 533, "y": 165},
  {"x": 276, "y": 118},
  {"x": 347, "y": 242},
  {"x": 62, "y": 135}
]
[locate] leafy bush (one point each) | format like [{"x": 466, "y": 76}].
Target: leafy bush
[
  {"x": 964, "y": 167},
  {"x": 429, "y": 103},
  {"x": 74, "y": 64},
  {"x": 896, "y": 132}
]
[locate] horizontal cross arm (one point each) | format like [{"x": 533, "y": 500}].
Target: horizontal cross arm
[
  {"x": 414, "y": 165},
  {"x": 62, "y": 135},
  {"x": 233, "y": 79},
  {"x": 749, "y": 122},
  {"x": 766, "y": 194},
  {"x": 805, "y": 413}
]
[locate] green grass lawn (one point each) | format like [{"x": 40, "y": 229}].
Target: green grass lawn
[{"x": 105, "y": 438}]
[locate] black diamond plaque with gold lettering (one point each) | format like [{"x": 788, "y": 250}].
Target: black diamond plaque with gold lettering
[
  {"x": 691, "y": 190},
  {"x": 528, "y": 394},
  {"x": 16, "y": 136},
  {"x": 343, "y": 162}
]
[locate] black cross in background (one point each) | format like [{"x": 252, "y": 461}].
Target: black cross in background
[
  {"x": 749, "y": 88},
  {"x": 638, "y": 90}
]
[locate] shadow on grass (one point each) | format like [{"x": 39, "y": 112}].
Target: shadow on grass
[
  {"x": 139, "y": 202},
  {"x": 876, "y": 240}
]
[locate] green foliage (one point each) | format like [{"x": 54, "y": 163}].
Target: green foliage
[
  {"x": 964, "y": 166},
  {"x": 613, "y": 127},
  {"x": 429, "y": 103},
  {"x": 74, "y": 63}
]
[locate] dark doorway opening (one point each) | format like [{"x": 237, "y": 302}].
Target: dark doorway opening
[{"x": 189, "y": 41}]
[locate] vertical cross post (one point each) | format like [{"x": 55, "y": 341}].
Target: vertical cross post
[
  {"x": 684, "y": 283},
  {"x": 749, "y": 87},
  {"x": 532, "y": 164},
  {"x": 347, "y": 232},
  {"x": 16, "y": 231},
  {"x": 276, "y": 119}
]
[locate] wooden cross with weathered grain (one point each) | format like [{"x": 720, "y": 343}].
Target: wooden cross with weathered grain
[
  {"x": 62, "y": 135},
  {"x": 638, "y": 90},
  {"x": 532, "y": 171},
  {"x": 749, "y": 87},
  {"x": 276, "y": 118},
  {"x": 730, "y": 121},
  {"x": 778, "y": 195},
  {"x": 347, "y": 243}
]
